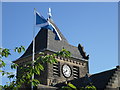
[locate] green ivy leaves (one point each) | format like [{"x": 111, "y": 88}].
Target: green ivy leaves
[
  {"x": 19, "y": 49},
  {"x": 14, "y": 66},
  {"x": 4, "y": 52},
  {"x": 2, "y": 63},
  {"x": 72, "y": 87},
  {"x": 11, "y": 76},
  {"x": 29, "y": 68},
  {"x": 64, "y": 53}
]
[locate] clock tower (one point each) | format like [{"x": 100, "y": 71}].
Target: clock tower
[{"x": 49, "y": 42}]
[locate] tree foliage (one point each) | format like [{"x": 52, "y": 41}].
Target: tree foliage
[
  {"x": 12, "y": 85},
  {"x": 30, "y": 68},
  {"x": 70, "y": 86},
  {"x": 27, "y": 70}
]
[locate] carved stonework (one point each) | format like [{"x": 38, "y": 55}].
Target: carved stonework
[{"x": 83, "y": 53}]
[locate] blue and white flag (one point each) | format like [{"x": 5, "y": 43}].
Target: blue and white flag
[
  {"x": 51, "y": 27},
  {"x": 40, "y": 20},
  {"x": 57, "y": 36}
]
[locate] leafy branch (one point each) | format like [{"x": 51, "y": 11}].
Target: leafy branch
[
  {"x": 70, "y": 86},
  {"x": 27, "y": 70}
]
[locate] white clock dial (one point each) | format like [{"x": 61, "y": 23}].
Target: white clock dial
[{"x": 66, "y": 70}]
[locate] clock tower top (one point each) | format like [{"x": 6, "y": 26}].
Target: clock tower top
[
  {"x": 66, "y": 69},
  {"x": 45, "y": 40}
]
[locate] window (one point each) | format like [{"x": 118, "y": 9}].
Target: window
[
  {"x": 56, "y": 69},
  {"x": 75, "y": 72}
]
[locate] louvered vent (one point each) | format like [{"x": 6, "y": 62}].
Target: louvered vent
[
  {"x": 56, "y": 69},
  {"x": 75, "y": 72}
]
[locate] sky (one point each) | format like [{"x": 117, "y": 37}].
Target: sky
[
  {"x": 92, "y": 24},
  {"x": 60, "y": 0}
]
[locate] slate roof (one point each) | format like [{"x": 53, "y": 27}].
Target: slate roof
[
  {"x": 99, "y": 80},
  {"x": 45, "y": 40}
]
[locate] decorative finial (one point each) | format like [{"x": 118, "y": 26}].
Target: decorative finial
[
  {"x": 34, "y": 8},
  {"x": 49, "y": 13}
]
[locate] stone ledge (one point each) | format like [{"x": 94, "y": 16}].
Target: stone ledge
[{"x": 45, "y": 87}]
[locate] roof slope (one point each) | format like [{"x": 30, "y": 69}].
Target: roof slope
[
  {"x": 101, "y": 79},
  {"x": 45, "y": 40}
]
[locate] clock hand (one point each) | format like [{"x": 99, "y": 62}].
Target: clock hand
[{"x": 65, "y": 71}]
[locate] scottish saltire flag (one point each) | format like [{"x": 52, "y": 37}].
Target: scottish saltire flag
[
  {"x": 40, "y": 20},
  {"x": 51, "y": 27},
  {"x": 43, "y": 23},
  {"x": 57, "y": 36}
]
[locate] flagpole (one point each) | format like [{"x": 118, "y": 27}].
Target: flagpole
[{"x": 33, "y": 54}]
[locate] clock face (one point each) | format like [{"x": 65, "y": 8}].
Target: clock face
[{"x": 66, "y": 70}]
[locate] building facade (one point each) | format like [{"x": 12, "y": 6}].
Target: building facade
[{"x": 73, "y": 69}]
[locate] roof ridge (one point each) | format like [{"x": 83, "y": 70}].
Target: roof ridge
[
  {"x": 61, "y": 35},
  {"x": 104, "y": 71}
]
